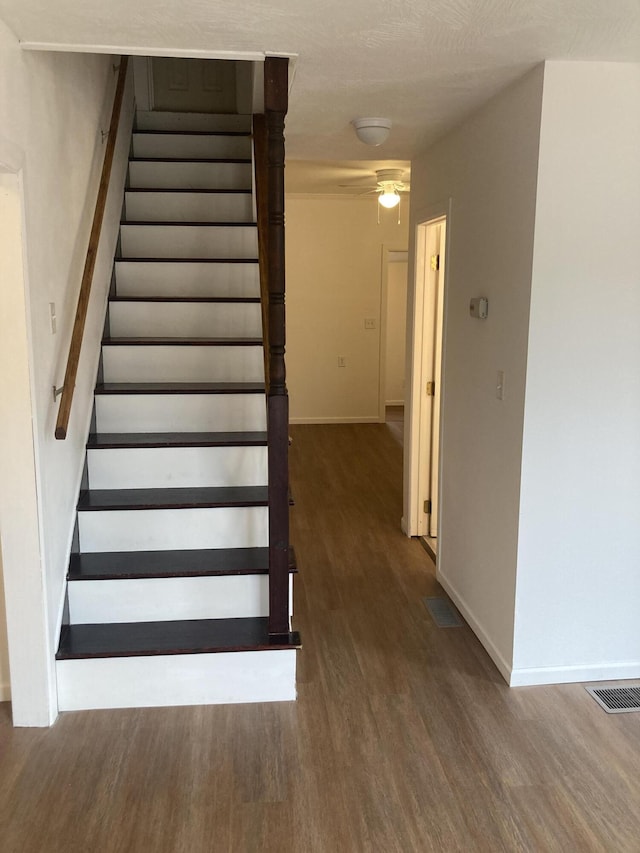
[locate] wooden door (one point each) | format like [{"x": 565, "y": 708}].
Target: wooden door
[{"x": 194, "y": 85}]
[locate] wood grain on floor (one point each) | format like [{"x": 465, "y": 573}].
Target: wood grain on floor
[{"x": 404, "y": 736}]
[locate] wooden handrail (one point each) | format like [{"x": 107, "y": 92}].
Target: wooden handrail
[
  {"x": 69, "y": 384},
  {"x": 262, "y": 210},
  {"x": 269, "y": 153}
]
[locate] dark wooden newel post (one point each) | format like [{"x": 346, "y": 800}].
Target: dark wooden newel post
[{"x": 275, "y": 108}]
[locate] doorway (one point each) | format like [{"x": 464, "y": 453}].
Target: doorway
[
  {"x": 427, "y": 387},
  {"x": 393, "y": 337}
]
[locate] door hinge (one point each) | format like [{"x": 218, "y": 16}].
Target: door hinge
[
  {"x": 427, "y": 507},
  {"x": 435, "y": 262},
  {"x": 431, "y": 389}
]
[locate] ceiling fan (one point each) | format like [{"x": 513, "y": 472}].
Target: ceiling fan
[{"x": 389, "y": 185}]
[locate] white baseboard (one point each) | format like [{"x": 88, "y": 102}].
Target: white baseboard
[
  {"x": 5, "y": 692},
  {"x": 532, "y": 676},
  {"x": 503, "y": 667},
  {"x": 529, "y": 676},
  {"x": 364, "y": 419}
]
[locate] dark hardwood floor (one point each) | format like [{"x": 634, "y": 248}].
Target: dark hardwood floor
[{"x": 404, "y": 737}]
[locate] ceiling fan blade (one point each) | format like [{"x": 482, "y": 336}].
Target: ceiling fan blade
[{"x": 353, "y": 186}]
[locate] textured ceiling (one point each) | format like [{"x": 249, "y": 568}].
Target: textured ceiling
[{"x": 423, "y": 63}]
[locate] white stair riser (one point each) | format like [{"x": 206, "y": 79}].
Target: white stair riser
[
  {"x": 194, "y": 175},
  {"x": 173, "y": 529},
  {"x": 164, "y": 680},
  {"x": 157, "y": 120},
  {"x": 167, "y": 599},
  {"x": 183, "y": 364},
  {"x": 176, "y": 467},
  {"x": 180, "y": 412},
  {"x": 196, "y": 147},
  {"x": 187, "y": 320},
  {"x": 187, "y": 279},
  {"x": 188, "y": 207},
  {"x": 188, "y": 241}
]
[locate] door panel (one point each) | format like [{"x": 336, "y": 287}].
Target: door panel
[{"x": 194, "y": 85}]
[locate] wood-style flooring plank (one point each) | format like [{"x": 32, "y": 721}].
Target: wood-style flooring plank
[{"x": 404, "y": 736}]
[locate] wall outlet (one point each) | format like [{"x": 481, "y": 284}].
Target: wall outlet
[
  {"x": 342, "y": 361},
  {"x": 370, "y": 323},
  {"x": 500, "y": 385},
  {"x": 52, "y": 317}
]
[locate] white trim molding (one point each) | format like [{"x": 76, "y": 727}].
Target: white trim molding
[
  {"x": 503, "y": 666},
  {"x": 530, "y": 676}
]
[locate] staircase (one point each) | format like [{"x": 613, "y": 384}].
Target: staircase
[{"x": 168, "y": 586}]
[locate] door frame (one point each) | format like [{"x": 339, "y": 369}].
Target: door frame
[
  {"x": 418, "y": 342},
  {"x": 390, "y": 255},
  {"x": 31, "y": 660}
]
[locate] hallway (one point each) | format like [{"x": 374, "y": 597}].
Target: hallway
[{"x": 404, "y": 738}]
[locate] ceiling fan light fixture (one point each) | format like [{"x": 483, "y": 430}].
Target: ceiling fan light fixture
[
  {"x": 372, "y": 131},
  {"x": 389, "y": 198}
]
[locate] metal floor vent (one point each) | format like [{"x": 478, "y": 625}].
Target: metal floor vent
[
  {"x": 442, "y": 612},
  {"x": 616, "y": 700}
]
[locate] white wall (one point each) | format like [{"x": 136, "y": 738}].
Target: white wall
[
  {"x": 334, "y": 264},
  {"x": 396, "y": 337},
  {"x": 579, "y": 551},
  {"x": 487, "y": 171},
  {"x": 52, "y": 107},
  {"x": 19, "y": 523}
]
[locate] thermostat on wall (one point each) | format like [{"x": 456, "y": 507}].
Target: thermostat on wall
[{"x": 479, "y": 307}]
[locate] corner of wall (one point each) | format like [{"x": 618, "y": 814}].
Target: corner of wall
[{"x": 488, "y": 167}]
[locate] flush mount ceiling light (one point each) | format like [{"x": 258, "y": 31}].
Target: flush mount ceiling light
[{"x": 372, "y": 131}]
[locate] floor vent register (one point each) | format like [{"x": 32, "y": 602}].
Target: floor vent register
[
  {"x": 616, "y": 700},
  {"x": 442, "y": 612}
]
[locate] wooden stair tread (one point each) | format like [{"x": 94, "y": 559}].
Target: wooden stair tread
[
  {"x": 242, "y": 300},
  {"x": 193, "y": 636},
  {"x": 230, "y": 191},
  {"x": 179, "y": 223},
  {"x": 193, "y": 497},
  {"x": 123, "y": 565},
  {"x": 183, "y": 342},
  {"x": 155, "y": 132},
  {"x": 180, "y": 388},
  {"x": 187, "y": 260},
  {"x": 106, "y": 441},
  {"x": 190, "y": 160},
  {"x": 193, "y": 190}
]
